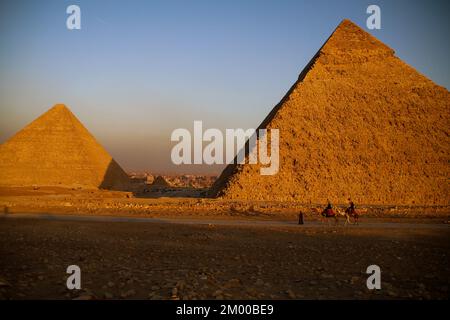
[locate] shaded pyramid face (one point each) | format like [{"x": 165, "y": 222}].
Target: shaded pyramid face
[
  {"x": 358, "y": 123},
  {"x": 57, "y": 150}
]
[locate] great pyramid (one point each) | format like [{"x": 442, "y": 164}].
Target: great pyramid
[
  {"x": 358, "y": 123},
  {"x": 57, "y": 150}
]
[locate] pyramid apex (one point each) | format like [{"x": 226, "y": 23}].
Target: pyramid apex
[
  {"x": 60, "y": 106},
  {"x": 59, "y": 110},
  {"x": 346, "y": 22},
  {"x": 354, "y": 42}
]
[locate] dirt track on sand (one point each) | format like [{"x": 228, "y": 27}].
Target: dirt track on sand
[{"x": 176, "y": 261}]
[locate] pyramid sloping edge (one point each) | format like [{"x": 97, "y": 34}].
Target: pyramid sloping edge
[
  {"x": 334, "y": 54},
  {"x": 57, "y": 150}
]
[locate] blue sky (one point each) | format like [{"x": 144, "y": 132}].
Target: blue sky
[{"x": 139, "y": 69}]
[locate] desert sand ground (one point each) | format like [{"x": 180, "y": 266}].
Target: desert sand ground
[
  {"x": 192, "y": 248},
  {"x": 185, "y": 202},
  {"x": 129, "y": 260}
]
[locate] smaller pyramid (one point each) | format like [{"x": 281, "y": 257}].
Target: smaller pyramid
[
  {"x": 57, "y": 150},
  {"x": 160, "y": 183}
]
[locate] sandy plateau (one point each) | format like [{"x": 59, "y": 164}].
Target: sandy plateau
[{"x": 196, "y": 248}]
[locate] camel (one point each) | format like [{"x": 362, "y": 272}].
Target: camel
[
  {"x": 336, "y": 213},
  {"x": 348, "y": 214},
  {"x": 326, "y": 214}
]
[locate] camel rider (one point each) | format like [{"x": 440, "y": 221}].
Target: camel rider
[
  {"x": 352, "y": 205},
  {"x": 329, "y": 209},
  {"x": 329, "y": 205}
]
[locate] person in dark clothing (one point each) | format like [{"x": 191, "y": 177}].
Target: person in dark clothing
[
  {"x": 300, "y": 218},
  {"x": 328, "y": 212},
  {"x": 351, "y": 207},
  {"x": 329, "y": 205},
  {"x": 351, "y": 211}
]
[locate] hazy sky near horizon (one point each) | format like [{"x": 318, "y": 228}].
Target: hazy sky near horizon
[{"x": 137, "y": 70}]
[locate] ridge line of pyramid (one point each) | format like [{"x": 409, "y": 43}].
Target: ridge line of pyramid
[
  {"x": 229, "y": 170},
  {"x": 346, "y": 58},
  {"x": 339, "y": 28},
  {"x": 57, "y": 137},
  {"x": 300, "y": 78}
]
